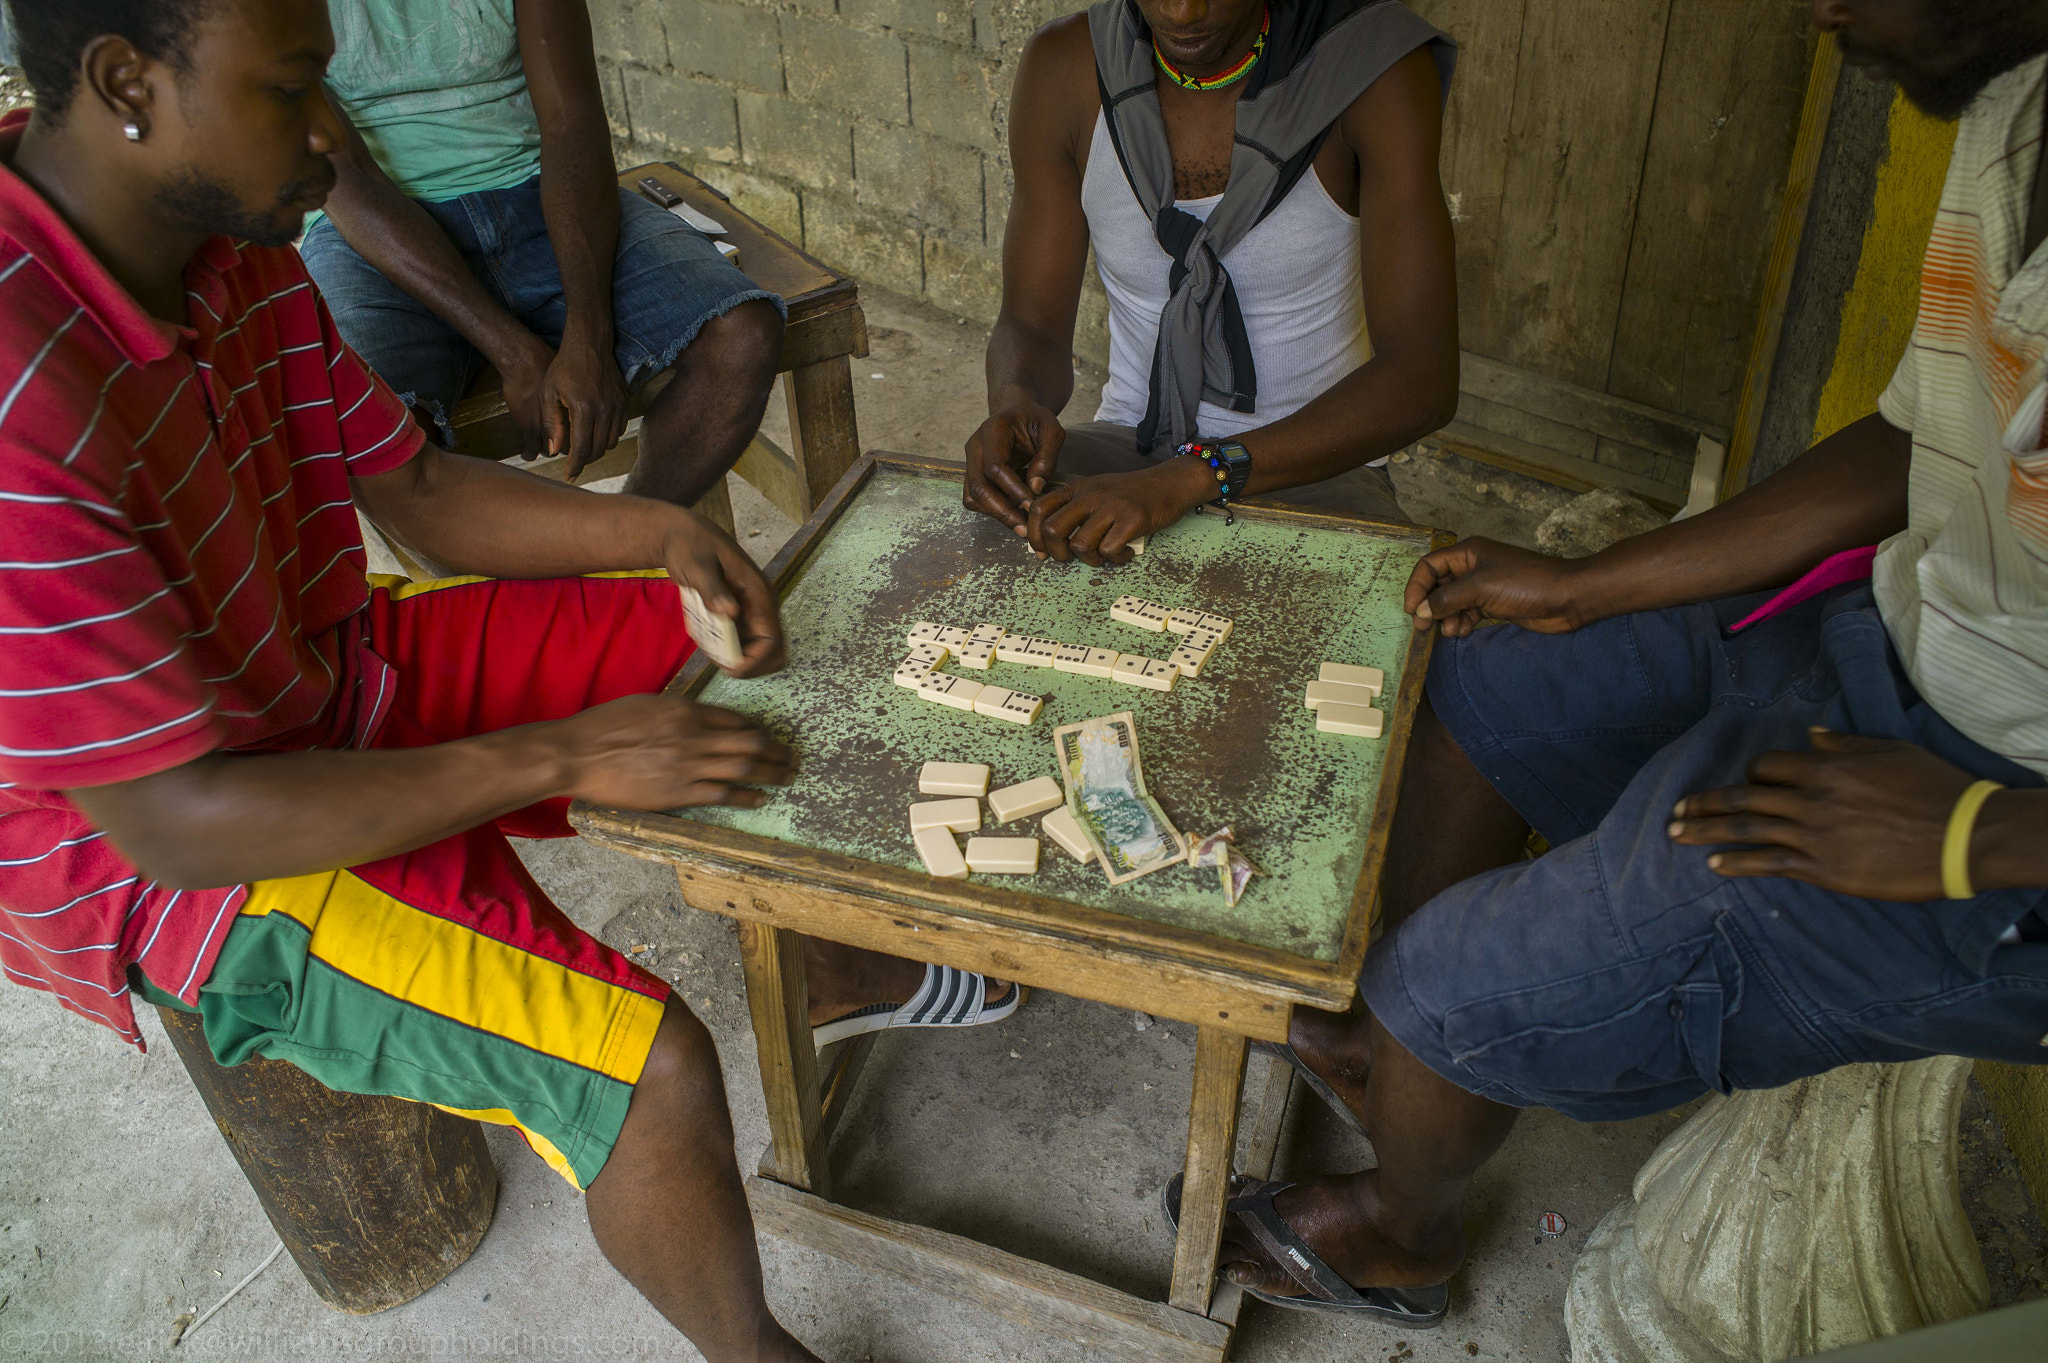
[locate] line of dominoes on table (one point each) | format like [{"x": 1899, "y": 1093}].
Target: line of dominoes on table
[
  {"x": 935, "y": 825},
  {"x": 1199, "y": 634}
]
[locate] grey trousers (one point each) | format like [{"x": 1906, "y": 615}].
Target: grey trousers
[{"x": 1103, "y": 447}]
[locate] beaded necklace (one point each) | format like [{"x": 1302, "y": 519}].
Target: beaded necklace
[{"x": 1221, "y": 78}]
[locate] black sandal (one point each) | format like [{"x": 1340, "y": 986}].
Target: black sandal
[
  {"x": 1281, "y": 1050},
  {"x": 1251, "y": 1201}
]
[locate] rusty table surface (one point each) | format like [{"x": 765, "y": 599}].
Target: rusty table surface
[{"x": 1235, "y": 746}]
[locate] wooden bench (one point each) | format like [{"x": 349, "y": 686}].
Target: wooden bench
[{"x": 825, "y": 328}]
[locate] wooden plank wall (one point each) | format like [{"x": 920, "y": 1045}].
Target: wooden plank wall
[{"x": 1613, "y": 166}]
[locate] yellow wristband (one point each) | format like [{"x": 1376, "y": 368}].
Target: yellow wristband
[{"x": 1955, "y": 844}]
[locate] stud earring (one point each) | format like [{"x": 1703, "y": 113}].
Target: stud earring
[{"x": 133, "y": 130}]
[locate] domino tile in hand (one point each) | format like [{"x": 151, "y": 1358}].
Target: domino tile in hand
[{"x": 715, "y": 634}]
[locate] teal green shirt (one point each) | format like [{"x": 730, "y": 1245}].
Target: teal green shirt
[{"x": 438, "y": 91}]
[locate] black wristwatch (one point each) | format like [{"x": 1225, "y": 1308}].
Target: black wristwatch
[{"x": 1232, "y": 463}]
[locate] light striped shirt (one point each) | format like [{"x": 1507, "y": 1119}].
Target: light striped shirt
[{"x": 1964, "y": 587}]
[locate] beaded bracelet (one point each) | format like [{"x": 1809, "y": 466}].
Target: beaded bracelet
[{"x": 1231, "y": 473}]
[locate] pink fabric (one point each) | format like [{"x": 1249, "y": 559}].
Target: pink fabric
[{"x": 1851, "y": 565}]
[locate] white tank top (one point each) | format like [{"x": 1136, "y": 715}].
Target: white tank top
[{"x": 1298, "y": 284}]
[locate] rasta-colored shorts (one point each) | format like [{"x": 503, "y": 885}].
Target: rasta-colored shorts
[{"x": 445, "y": 975}]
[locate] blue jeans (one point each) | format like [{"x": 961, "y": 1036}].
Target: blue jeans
[
  {"x": 667, "y": 282},
  {"x": 1618, "y": 975}
]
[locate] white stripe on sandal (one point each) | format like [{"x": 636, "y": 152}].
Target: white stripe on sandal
[{"x": 947, "y": 998}]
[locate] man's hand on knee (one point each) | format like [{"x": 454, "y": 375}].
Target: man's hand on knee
[{"x": 1859, "y": 816}]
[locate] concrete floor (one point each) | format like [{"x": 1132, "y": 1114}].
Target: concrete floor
[{"x": 1049, "y": 1135}]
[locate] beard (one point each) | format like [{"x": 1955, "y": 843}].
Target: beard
[
  {"x": 1994, "y": 36},
  {"x": 192, "y": 201}
]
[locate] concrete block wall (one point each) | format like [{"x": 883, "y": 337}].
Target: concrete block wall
[{"x": 872, "y": 132}]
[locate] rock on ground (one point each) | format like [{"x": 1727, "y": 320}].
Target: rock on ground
[{"x": 1593, "y": 520}]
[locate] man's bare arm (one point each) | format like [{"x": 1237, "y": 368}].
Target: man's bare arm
[
  {"x": 1030, "y": 360},
  {"x": 478, "y": 516},
  {"x": 583, "y": 403},
  {"x": 1410, "y": 385},
  {"x": 231, "y": 819},
  {"x": 402, "y": 243},
  {"x": 1845, "y": 492}
]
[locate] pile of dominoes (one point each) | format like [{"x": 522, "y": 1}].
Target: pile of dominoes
[
  {"x": 1342, "y": 697},
  {"x": 935, "y": 825},
  {"x": 932, "y": 645}
]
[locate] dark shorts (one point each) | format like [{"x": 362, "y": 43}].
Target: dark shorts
[
  {"x": 1619, "y": 976},
  {"x": 1104, "y": 447},
  {"x": 667, "y": 282}
]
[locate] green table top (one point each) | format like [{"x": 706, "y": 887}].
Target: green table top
[{"x": 1234, "y": 746}]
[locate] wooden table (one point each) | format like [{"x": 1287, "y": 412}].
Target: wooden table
[
  {"x": 825, "y": 327},
  {"x": 832, "y": 856}
]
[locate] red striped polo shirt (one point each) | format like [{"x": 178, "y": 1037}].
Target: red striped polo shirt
[{"x": 180, "y": 572}]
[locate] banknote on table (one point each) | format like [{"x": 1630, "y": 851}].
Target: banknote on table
[{"x": 1098, "y": 760}]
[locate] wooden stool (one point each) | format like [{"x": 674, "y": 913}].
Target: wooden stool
[
  {"x": 825, "y": 327},
  {"x": 377, "y": 1199}
]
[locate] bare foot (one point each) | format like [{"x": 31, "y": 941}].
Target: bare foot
[{"x": 1344, "y": 1222}]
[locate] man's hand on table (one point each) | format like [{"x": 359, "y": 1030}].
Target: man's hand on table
[
  {"x": 1095, "y": 519},
  {"x": 698, "y": 554},
  {"x": 1858, "y": 816},
  {"x": 664, "y": 752},
  {"x": 1480, "y": 579},
  {"x": 1009, "y": 458}
]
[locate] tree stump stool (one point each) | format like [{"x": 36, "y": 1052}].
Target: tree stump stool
[
  {"x": 377, "y": 1199},
  {"x": 1783, "y": 1222}
]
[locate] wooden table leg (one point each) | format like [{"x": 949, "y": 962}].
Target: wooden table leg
[
  {"x": 824, "y": 436},
  {"x": 1261, "y": 1149},
  {"x": 779, "y": 1000},
  {"x": 1212, "y": 1141}
]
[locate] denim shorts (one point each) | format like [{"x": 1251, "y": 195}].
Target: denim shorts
[
  {"x": 1617, "y": 975},
  {"x": 667, "y": 282}
]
